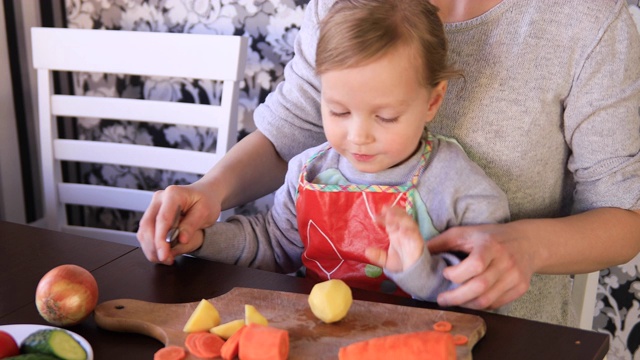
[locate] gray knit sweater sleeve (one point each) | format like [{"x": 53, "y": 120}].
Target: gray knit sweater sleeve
[
  {"x": 602, "y": 119},
  {"x": 290, "y": 116},
  {"x": 267, "y": 241}
]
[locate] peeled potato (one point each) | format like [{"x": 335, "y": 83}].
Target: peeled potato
[
  {"x": 330, "y": 300},
  {"x": 227, "y": 329},
  {"x": 203, "y": 318},
  {"x": 252, "y": 316}
]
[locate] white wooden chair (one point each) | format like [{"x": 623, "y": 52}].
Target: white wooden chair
[
  {"x": 192, "y": 56},
  {"x": 583, "y": 297}
]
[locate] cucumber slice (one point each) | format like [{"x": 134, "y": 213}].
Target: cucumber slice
[
  {"x": 56, "y": 342},
  {"x": 31, "y": 357}
]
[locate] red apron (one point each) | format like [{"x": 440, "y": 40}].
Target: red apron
[{"x": 337, "y": 223}]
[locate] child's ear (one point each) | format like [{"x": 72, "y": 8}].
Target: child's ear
[{"x": 435, "y": 99}]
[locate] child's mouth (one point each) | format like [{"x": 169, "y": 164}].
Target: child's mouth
[{"x": 363, "y": 157}]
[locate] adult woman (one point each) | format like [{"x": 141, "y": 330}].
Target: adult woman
[{"x": 548, "y": 108}]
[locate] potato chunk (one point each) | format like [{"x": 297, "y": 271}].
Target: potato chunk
[
  {"x": 252, "y": 316},
  {"x": 330, "y": 300},
  {"x": 227, "y": 329},
  {"x": 203, "y": 318}
]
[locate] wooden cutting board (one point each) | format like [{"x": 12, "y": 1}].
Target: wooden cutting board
[{"x": 310, "y": 338}]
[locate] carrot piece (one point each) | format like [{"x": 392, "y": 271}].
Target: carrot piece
[
  {"x": 231, "y": 347},
  {"x": 209, "y": 345},
  {"x": 443, "y": 326},
  {"x": 459, "y": 339},
  {"x": 170, "y": 353},
  {"x": 434, "y": 345},
  {"x": 263, "y": 342},
  {"x": 191, "y": 343}
]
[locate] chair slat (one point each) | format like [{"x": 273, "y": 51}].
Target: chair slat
[
  {"x": 116, "y": 236},
  {"x": 105, "y": 196},
  {"x": 195, "y": 56},
  {"x": 585, "y": 288},
  {"x": 211, "y": 116},
  {"x": 189, "y": 161}
]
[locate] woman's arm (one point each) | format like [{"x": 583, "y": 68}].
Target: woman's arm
[
  {"x": 252, "y": 168},
  {"x": 289, "y": 121},
  {"x": 606, "y": 237}
]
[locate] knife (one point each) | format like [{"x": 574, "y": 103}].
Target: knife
[{"x": 172, "y": 235}]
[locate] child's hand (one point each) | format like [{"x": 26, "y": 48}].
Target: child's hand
[{"x": 405, "y": 242}]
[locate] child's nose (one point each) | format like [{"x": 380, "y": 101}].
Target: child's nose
[{"x": 359, "y": 131}]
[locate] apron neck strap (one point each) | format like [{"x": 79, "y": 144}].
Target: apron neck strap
[{"x": 422, "y": 164}]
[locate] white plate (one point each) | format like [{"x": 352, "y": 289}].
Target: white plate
[{"x": 21, "y": 331}]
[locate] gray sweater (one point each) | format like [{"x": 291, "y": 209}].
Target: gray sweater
[
  {"x": 548, "y": 108},
  {"x": 453, "y": 190}
]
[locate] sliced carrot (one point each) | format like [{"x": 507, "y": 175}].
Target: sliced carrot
[
  {"x": 191, "y": 343},
  {"x": 263, "y": 342},
  {"x": 209, "y": 345},
  {"x": 230, "y": 348},
  {"x": 459, "y": 339},
  {"x": 433, "y": 345},
  {"x": 443, "y": 326},
  {"x": 170, "y": 353}
]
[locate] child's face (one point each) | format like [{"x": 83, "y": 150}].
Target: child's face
[{"x": 374, "y": 114}]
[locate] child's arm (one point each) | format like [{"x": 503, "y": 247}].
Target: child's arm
[
  {"x": 455, "y": 192},
  {"x": 255, "y": 241},
  {"x": 407, "y": 261},
  {"x": 266, "y": 241}
]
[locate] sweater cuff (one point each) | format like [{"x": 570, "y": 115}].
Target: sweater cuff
[{"x": 423, "y": 280}]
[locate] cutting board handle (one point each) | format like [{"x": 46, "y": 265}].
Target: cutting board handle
[{"x": 141, "y": 317}]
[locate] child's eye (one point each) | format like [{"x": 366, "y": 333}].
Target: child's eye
[
  {"x": 338, "y": 114},
  {"x": 388, "y": 119}
]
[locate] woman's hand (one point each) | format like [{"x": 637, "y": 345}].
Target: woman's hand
[
  {"x": 405, "y": 242},
  {"x": 200, "y": 209},
  {"x": 503, "y": 257},
  {"x": 497, "y": 270}
]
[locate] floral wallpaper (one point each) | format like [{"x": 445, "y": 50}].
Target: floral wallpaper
[{"x": 271, "y": 26}]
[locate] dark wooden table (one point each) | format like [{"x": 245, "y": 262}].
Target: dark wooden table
[{"x": 27, "y": 253}]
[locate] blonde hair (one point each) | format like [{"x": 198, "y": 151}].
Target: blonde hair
[{"x": 355, "y": 32}]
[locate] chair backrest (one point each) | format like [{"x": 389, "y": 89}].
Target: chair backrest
[
  {"x": 194, "y": 56},
  {"x": 583, "y": 298}
]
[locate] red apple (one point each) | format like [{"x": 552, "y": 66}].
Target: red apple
[
  {"x": 8, "y": 345},
  {"x": 66, "y": 295}
]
